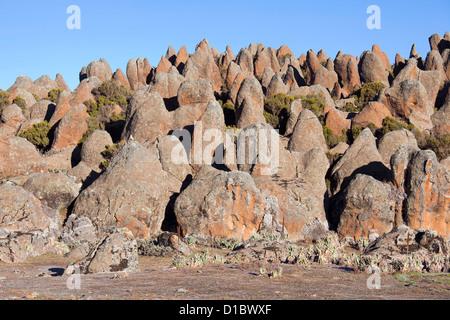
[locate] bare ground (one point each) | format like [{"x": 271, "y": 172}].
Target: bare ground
[{"x": 42, "y": 278}]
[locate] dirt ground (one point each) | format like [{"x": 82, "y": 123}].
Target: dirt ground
[{"x": 42, "y": 278}]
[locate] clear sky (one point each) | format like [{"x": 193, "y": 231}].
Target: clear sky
[{"x": 35, "y": 39}]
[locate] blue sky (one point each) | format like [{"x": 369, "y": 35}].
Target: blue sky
[{"x": 36, "y": 41}]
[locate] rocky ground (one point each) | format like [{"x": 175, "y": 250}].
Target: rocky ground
[{"x": 42, "y": 278}]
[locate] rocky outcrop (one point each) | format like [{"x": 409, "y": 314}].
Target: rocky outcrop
[
  {"x": 130, "y": 193},
  {"x": 307, "y": 133},
  {"x": 220, "y": 204}
]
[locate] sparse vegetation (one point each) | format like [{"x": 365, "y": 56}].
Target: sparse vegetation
[
  {"x": 20, "y": 102},
  {"x": 276, "y": 110},
  {"x": 38, "y": 135},
  {"x": 110, "y": 152},
  {"x": 4, "y": 101},
  {"x": 391, "y": 124},
  {"x": 367, "y": 93},
  {"x": 331, "y": 138},
  {"x": 53, "y": 95},
  {"x": 315, "y": 103}
]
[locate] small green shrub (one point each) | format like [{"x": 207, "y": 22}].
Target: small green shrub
[
  {"x": 110, "y": 152},
  {"x": 53, "y": 95},
  {"x": 112, "y": 93},
  {"x": 440, "y": 145},
  {"x": 93, "y": 124},
  {"x": 280, "y": 102},
  {"x": 355, "y": 131},
  {"x": 4, "y": 100},
  {"x": 350, "y": 107},
  {"x": 38, "y": 135},
  {"x": 392, "y": 124},
  {"x": 331, "y": 138},
  {"x": 271, "y": 119},
  {"x": 315, "y": 103},
  {"x": 367, "y": 93},
  {"x": 19, "y": 101}
]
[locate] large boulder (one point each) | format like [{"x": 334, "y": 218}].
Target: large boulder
[
  {"x": 362, "y": 157},
  {"x": 193, "y": 98},
  {"x": 374, "y": 112},
  {"x": 99, "y": 69},
  {"x": 19, "y": 157},
  {"x": 220, "y": 204},
  {"x": 346, "y": 67},
  {"x": 84, "y": 91},
  {"x": 393, "y": 140},
  {"x": 371, "y": 69},
  {"x": 55, "y": 190},
  {"x": 441, "y": 118},
  {"x": 116, "y": 252},
  {"x": 121, "y": 78},
  {"x": 409, "y": 99},
  {"x": 249, "y": 103},
  {"x": 27, "y": 228},
  {"x": 202, "y": 65},
  {"x": 427, "y": 185},
  {"x": 265, "y": 57},
  {"x": 147, "y": 117},
  {"x": 71, "y": 128},
  {"x": 130, "y": 193},
  {"x": 367, "y": 208},
  {"x": 307, "y": 133},
  {"x": 167, "y": 86},
  {"x": 93, "y": 146}
]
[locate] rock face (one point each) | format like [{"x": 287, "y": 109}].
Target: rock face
[
  {"x": 93, "y": 146},
  {"x": 307, "y": 134},
  {"x": 130, "y": 193},
  {"x": 28, "y": 228},
  {"x": 116, "y": 252},
  {"x": 202, "y": 65},
  {"x": 294, "y": 199},
  {"x": 99, "y": 69},
  {"x": 55, "y": 190},
  {"x": 393, "y": 140},
  {"x": 19, "y": 157},
  {"x": 71, "y": 128},
  {"x": 371, "y": 69},
  {"x": 410, "y": 100},
  {"x": 346, "y": 67},
  {"x": 373, "y": 112},
  {"x": 220, "y": 204},
  {"x": 362, "y": 157},
  {"x": 249, "y": 103},
  {"x": 367, "y": 208},
  {"x": 427, "y": 185},
  {"x": 147, "y": 117}
]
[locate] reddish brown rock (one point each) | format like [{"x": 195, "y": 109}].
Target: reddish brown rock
[
  {"x": 373, "y": 112},
  {"x": 307, "y": 134},
  {"x": 120, "y": 77},
  {"x": 71, "y": 128},
  {"x": 147, "y": 117},
  {"x": 93, "y": 146},
  {"x": 99, "y": 69},
  {"x": 410, "y": 100},
  {"x": 84, "y": 91},
  {"x": 220, "y": 204},
  {"x": 62, "y": 107},
  {"x": 346, "y": 67},
  {"x": 245, "y": 60},
  {"x": 337, "y": 121},
  {"x": 249, "y": 103},
  {"x": 182, "y": 57},
  {"x": 393, "y": 140},
  {"x": 263, "y": 58},
  {"x": 19, "y": 157},
  {"x": 204, "y": 63},
  {"x": 383, "y": 57},
  {"x": 367, "y": 208},
  {"x": 232, "y": 72},
  {"x": 426, "y": 183},
  {"x": 372, "y": 69},
  {"x": 163, "y": 65},
  {"x": 131, "y": 193}
]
